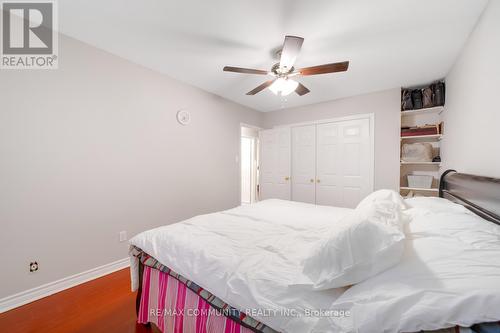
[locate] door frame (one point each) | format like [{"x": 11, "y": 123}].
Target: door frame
[
  {"x": 238, "y": 158},
  {"x": 371, "y": 119}
]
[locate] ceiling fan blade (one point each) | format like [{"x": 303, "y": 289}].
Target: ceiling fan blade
[
  {"x": 301, "y": 90},
  {"x": 289, "y": 52},
  {"x": 325, "y": 69},
  {"x": 261, "y": 87},
  {"x": 244, "y": 70}
]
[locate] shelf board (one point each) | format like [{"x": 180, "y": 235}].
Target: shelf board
[
  {"x": 419, "y": 189},
  {"x": 435, "y": 109},
  {"x": 421, "y": 163},
  {"x": 433, "y": 136}
]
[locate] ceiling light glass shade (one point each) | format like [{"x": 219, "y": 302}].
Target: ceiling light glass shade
[{"x": 283, "y": 86}]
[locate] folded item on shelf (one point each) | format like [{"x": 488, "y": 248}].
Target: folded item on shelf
[{"x": 416, "y": 152}]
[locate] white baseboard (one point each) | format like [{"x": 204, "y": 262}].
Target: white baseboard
[{"x": 28, "y": 296}]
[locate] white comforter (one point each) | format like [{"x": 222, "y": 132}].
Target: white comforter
[{"x": 247, "y": 256}]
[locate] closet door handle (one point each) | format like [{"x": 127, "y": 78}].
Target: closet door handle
[
  {"x": 287, "y": 178},
  {"x": 317, "y": 180},
  {"x": 312, "y": 180}
]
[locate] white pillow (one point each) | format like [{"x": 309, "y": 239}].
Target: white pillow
[
  {"x": 435, "y": 205},
  {"x": 444, "y": 279},
  {"x": 364, "y": 243},
  {"x": 383, "y": 195}
]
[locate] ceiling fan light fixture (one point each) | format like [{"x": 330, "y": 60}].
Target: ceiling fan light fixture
[{"x": 283, "y": 86}]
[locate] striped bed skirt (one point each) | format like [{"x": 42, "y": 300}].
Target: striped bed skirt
[{"x": 174, "y": 308}]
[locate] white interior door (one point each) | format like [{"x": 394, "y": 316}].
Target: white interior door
[
  {"x": 304, "y": 163},
  {"x": 275, "y": 164},
  {"x": 344, "y": 162},
  {"x": 246, "y": 161}
]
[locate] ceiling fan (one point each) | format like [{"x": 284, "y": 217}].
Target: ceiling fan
[{"x": 282, "y": 84}]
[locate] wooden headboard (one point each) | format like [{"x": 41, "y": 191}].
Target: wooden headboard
[{"x": 479, "y": 194}]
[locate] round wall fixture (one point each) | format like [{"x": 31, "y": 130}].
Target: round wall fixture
[{"x": 183, "y": 117}]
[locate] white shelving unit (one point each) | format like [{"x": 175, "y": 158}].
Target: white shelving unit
[
  {"x": 423, "y": 137},
  {"x": 418, "y": 118},
  {"x": 421, "y": 163},
  {"x": 436, "y": 109}
]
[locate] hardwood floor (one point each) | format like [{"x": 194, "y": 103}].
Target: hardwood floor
[{"x": 102, "y": 305}]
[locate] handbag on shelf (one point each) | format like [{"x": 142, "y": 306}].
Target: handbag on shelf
[
  {"x": 438, "y": 90},
  {"x": 406, "y": 102},
  {"x": 416, "y": 96},
  {"x": 427, "y": 97}
]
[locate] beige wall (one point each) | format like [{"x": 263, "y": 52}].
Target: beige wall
[
  {"x": 94, "y": 148},
  {"x": 472, "y": 115},
  {"x": 385, "y": 105}
]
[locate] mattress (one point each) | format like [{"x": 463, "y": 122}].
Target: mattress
[
  {"x": 248, "y": 256},
  {"x": 245, "y": 258}
]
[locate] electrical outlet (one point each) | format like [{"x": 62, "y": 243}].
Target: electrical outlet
[
  {"x": 122, "y": 236},
  {"x": 33, "y": 267}
]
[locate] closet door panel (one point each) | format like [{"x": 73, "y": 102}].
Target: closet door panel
[
  {"x": 356, "y": 154},
  {"x": 328, "y": 191},
  {"x": 343, "y": 162},
  {"x": 303, "y": 163},
  {"x": 275, "y": 164}
]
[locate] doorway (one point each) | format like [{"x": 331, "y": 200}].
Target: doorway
[{"x": 249, "y": 157}]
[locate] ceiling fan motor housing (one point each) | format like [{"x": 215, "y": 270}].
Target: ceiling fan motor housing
[{"x": 277, "y": 71}]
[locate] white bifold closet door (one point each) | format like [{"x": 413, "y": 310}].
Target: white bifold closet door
[
  {"x": 275, "y": 164},
  {"x": 304, "y": 163},
  {"x": 327, "y": 163},
  {"x": 343, "y": 166}
]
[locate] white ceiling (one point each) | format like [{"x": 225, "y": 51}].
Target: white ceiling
[{"x": 389, "y": 43}]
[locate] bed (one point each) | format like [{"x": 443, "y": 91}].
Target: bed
[{"x": 233, "y": 271}]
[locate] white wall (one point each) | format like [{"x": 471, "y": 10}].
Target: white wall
[
  {"x": 94, "y": 148},
  {"x": 472, "y": 115},
  {"x": 386, "y": 107}
]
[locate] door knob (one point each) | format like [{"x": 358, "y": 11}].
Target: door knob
[
  {"x": 312, "y": 180},
  {"x": 287, "y": 178},
  {"x": 317, "y": 180}
]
